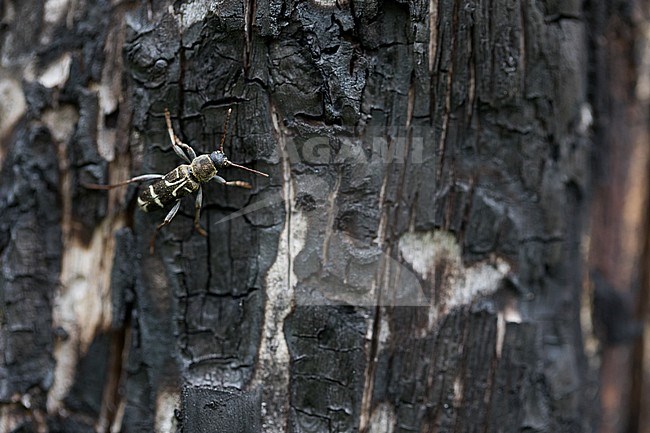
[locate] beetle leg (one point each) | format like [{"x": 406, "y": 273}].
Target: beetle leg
[
  {"x": 167, "y": 220},
  {"x": 239, "y": 183},
  {"x": 179, "y": 147},
  {"x": 197, "y": 213},
  {"x": 141, "y": 178}
]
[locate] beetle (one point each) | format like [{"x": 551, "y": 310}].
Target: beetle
[{"x": 182, "y": 181}]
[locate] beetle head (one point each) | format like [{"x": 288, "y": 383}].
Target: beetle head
[{"x": 219, "y": 159}]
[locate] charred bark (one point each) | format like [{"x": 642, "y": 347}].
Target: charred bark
[{"x": 413, "y": 263}]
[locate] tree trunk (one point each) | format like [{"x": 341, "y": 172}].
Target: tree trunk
[
  {"x": 423, "y": 256},
  {"x": 619, "y": 211}
]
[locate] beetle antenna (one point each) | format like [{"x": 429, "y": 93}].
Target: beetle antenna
[
  {"x": 225, "y": 130},
  {"x": 247, "y": 169}
]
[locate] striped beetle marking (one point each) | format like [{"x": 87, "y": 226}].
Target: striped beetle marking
[{"x": 183, "y": 180}]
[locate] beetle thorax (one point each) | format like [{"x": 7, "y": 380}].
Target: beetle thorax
[{"x": 202, "y": 168}]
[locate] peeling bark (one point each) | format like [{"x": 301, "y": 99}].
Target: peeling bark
[{"x": 414, "y": 262}]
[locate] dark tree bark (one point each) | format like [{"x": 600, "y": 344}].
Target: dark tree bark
[
  {"x": 424, "y": 255},
  {"x": 619, "y": 210}
]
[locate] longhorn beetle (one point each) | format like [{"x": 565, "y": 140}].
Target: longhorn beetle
[{"x": 183, "y": 180}]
